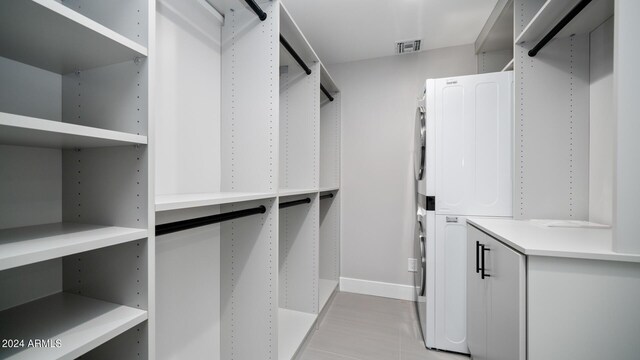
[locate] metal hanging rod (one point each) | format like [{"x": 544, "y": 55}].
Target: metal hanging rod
[
  {"x": 295, "y": 55},
  {"x": 559, "y": 26},
  {"x": 206, "y": 220},
  {"x": 256, "y": 9},
  {"x": 327, "y": 196},
  {"x": 285, "y": 205},
  {"x": 326, "y": 92}
]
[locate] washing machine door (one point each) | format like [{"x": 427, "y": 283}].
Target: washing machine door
[{"x": 420, "y": 143}]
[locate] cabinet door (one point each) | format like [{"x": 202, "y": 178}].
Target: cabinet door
[
  {"x": 476, "y": 297},
  {"x": 506, "y": 326}
]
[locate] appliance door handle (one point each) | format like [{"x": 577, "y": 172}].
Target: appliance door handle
[
  {"x": 482, "y": 268},
  {"x": 477, "y": 257},
  {"x": 423, "y": 266}
]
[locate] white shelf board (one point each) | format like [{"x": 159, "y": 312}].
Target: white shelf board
[
  {"x": 51, "y": 36},
  {"x": 509, "y": 66},
  {"x": 293, "y": 327},
  {"x": 552, "y": 11},
  {"x": 327, "y": 81},
  {"x": 27, "y": 131},
  {"x": 185, "y": 201},
  {"x": 326, "y": 288},
  {"x": 329, "y": 188},
  {"x": 292, "y": 192},
  {"x": 80, "y": 323},
  {"x": 30, "y": 244}
]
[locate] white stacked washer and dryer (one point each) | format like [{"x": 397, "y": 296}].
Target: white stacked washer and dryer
[{"x": 463, "y": 166}]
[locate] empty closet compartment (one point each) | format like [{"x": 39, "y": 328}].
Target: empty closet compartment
[
  {"x": 298, "y": 271},
  {"x": 216, "y": 278},
  {"x": 299, "y": 110},
  {"x": 66, "y": 79},
  {"x": 217, "y": 112},
  {"x": 329, "y": 245},
  {"x": 564, "y": 117},
  {"x": 330, "y": 116},
  {"x": 66, "y": 306}
]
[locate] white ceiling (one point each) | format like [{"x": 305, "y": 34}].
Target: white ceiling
[{"x": 349, "y": 30}]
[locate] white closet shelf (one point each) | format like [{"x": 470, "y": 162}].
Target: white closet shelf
[
  {"x": 329, "y": 188},
  {"x": 185, "y": 201},
  {"x": 80, "y": 323},
  {"x": 293, "y": 327},
  {"x": 326, "y": 288},
  {"x": 292, "y": 192},
  {"x": 552, "y": 11},
  {"x": 509, "y": 66},
  {"x": 27, "y": 131},
  {"x": 31, "y": 244},
  {"x": 58, "y": 39}
]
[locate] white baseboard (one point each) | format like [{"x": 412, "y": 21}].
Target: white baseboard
[{"x": 377, "y": 288}]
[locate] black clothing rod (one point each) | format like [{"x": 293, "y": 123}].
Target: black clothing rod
[
  {"x": 295, "y": 55},
  {"x": 206, "y": 220},
  {"x": 328, "y": 196},
  {"x": 285, "y": 205},
  {"x": 326, "y": 92},
  {"x": 556, "y": 29},
  {"x": 256, "y": 9}
]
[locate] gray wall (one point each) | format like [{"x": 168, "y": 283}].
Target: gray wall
[{"x": 378, "y": 190}]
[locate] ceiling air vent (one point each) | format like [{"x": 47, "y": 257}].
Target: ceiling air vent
[{"x": 403, "y": 47}]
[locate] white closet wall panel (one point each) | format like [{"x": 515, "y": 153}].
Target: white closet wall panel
[
  {"x": 30, "y": 186},
  {"x": 111, "y": 97},
  {"x": 627, "y": 151},
  {"x": 188, "y": 99},
  {"x": 188, "y": 317},
  {"x": 298, "y": 255},
  {"x": 250, "y": 76},
  {"x": 602, "y": 125},
  {"x": 330, "y": 143},
  {"x": 249, "y": 284},
  {"x": 552, "y": 140},
  {"x": 106, "y": 186},
  {"x": 299, "y": 127},
  {"x": 27, "y": 283},
  {"x": 330, "y": 238},
  {"x": 493, "y": 61},
  {"x": 30, "y": 91},
  {"x": 115, "y": 274}
]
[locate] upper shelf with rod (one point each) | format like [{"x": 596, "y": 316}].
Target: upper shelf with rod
[
  {"x": 295, "y": 49},
  {"x": 562, "y": 18}
]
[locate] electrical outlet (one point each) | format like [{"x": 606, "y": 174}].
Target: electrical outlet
[{"x": 412, "y": 265}]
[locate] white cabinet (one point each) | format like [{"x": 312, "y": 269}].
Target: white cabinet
[{"x": 495, "y": 299}]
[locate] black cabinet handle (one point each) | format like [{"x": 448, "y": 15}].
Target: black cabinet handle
[
  {"x": 477, "y": 257},
  {"x": 482, "y": 269}
]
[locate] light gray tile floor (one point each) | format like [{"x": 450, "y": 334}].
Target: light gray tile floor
[{"x": 366, "y": 327}]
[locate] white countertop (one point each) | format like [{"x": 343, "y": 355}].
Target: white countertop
[{"x": 536, "y": 238}]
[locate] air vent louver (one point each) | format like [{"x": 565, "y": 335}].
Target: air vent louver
[{"x": 403, "y": 47}]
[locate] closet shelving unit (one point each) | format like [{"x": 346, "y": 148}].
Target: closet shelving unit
[
  {"x": 75, "y": 252},
  {"x": 238, "y": 129},
  {"x": 494, "y": 45},
  {"x": 562, "y": 157},
  {"x": 329, "y": 266},
  {"x": 298, "y": 272}
]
